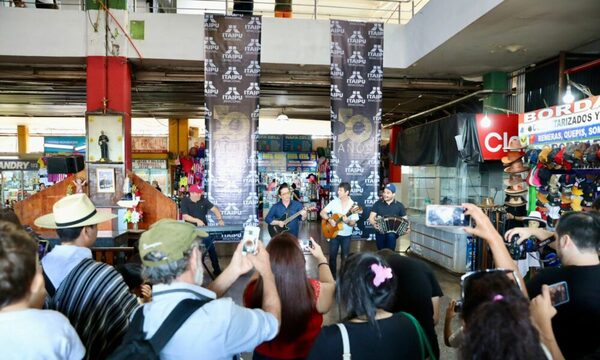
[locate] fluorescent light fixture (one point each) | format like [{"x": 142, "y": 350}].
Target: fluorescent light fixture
[
  {"x": 58, "y": 146},
  {"x": 568, "y": 98},
  {"x": 282, "y": 117}
]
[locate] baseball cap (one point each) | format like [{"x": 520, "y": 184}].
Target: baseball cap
[
  {"x": 391, "y": 187},
  {"x": 166, "y": 241},
  {"x": 195, "y": 189}
]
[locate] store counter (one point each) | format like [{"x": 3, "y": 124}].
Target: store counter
[{"x": 446, "y": 247}]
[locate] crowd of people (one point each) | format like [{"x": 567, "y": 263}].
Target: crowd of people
[{"x": 388, "y": 304}]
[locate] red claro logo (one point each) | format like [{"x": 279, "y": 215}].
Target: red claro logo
[{"x": 495, "y": 142}]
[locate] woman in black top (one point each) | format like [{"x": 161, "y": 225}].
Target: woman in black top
[{"x": 365, "y": 286}]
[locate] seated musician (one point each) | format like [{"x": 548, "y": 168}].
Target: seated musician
[
  {"x": 284, "y": 208},
  {"x": 194, "y": 210},
  {"x": 388, "y": 206}
]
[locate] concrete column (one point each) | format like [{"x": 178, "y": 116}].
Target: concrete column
[{"x": 22, "y": 139}]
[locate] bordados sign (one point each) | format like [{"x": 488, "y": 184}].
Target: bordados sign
[
  {"x": 495, "y": 134},
  {"x": 562, "y": 123}
]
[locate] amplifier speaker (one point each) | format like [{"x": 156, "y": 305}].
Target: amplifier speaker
[{"x": 65, "y": 164}]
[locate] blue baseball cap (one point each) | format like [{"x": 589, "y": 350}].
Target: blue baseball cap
[{"x": 391, "y": 187}]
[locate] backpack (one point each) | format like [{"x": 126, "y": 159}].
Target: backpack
[{"x": 136, "y": 346}]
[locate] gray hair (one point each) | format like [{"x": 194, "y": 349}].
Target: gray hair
[{"x": 165, "y": 274}]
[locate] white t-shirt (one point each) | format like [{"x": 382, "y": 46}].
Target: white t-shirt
[
  {"x": 38, "y": 334},
  {"x": 335, "y": 207}
]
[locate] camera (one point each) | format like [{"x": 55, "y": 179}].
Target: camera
[{"x": 519, "y": 251}]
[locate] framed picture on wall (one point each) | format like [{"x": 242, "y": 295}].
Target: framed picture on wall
[{"x": 105, "y": 180}]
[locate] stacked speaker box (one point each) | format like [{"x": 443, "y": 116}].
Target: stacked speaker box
[{"x": 65, "y": 164}]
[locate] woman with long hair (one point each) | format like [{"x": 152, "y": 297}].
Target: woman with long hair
[
  {"x": 303, "y": 300},
  {"x": 496, "y": 320},
  {"x": 365, "y": 287}
]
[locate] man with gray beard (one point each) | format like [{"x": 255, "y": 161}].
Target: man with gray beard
[{"x": 170, "y": 253}]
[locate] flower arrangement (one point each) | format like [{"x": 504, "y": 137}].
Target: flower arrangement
[{"x": 133, "y": 215}]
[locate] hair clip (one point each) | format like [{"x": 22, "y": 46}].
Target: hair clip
[
  {"x": 498, "y": 298},
  {"x": 382, "y": 273}
]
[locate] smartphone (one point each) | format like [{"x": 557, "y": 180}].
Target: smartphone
[
  {"x": 250, "y": 239},
  {"x": 559, "y": 293},
  {"x": 42, "y": 248},
  {"x": 305, "y": 245},
  {"x": 446, "y": 216}
]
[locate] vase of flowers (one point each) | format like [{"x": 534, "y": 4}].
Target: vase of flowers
[{"x": 133, "y": 216}]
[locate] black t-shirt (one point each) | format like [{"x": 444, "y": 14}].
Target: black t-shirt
[
  {"x": 416, "y": 285},
  {"x": 398, "y": 340},
  {"x": 197, "y": 209},
  {"x": 382, "y": 208},
  {"x": 576, "y": 320}
]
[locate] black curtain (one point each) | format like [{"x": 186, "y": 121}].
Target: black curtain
[{"x": 437, "y": 143}]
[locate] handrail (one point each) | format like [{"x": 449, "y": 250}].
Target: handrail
[{"x": 388, "y": 11}]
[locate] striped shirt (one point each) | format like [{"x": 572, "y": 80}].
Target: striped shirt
[{"x": 95, "y": 299}]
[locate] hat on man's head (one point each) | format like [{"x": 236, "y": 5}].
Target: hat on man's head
[
  {"x": 73, "y": 211},
  {"x": 166, "y": 241},
  {"x": 391, "y": 187},
  {"x": 536, "y": 216},
  {"x": 195, "y": 189}
]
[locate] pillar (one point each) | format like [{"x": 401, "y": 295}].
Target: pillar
[
  {"x": 178, "y": 135},
  {"x": 497, "y": 81},
  {"x": 109, "y": 88},
  {"x": 22, "y": 139},
  {"x": 395, "y": 170}
]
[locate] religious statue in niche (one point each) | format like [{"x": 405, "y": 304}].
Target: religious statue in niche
[{"x": 103, "y": 142}]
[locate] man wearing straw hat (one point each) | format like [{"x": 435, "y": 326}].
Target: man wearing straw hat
[{"x": 92, "y": 295}]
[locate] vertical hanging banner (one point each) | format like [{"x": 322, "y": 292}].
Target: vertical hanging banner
[
  {"x": 231, "y": 90},
  {"x": 356, "y": 78}
]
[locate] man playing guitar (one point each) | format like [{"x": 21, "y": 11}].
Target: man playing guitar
[
  {"x": 341, "y": 205},
  {"x": 286, "y": 206}
]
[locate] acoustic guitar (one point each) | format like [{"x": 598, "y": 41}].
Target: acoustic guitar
[
  {"x": 331, "y": 231},
  {"x": 275, "y": 229}
]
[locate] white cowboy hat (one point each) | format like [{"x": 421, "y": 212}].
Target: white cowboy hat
[
  {"x": 536, "y": 216},
  {"x": 72, "y": 211}
]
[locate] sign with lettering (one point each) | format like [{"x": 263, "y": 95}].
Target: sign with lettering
[
  {"x": 561, "y": 123},
  {"x": 495, "y": 133},
  {"x": 19, "y": 165}
]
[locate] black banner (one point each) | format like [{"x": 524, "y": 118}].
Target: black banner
[
  {"x": 356, "y": 78},
  {"x": 231, "y": 89}
]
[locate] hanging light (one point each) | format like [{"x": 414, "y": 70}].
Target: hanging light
[
  {"x": 282, "y": 116},
  {"x": 486, "y": 122},
  {"x": 568, "y": 98}
]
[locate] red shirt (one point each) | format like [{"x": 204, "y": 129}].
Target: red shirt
[{"x": 300, "y": 347}]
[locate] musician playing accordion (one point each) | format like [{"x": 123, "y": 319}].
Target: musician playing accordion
[{"x": 386, "y": 210}]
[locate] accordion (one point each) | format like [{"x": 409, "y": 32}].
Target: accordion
[{"x": 392, "y": 224}]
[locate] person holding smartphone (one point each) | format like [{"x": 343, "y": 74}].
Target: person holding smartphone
[{"x": 387, "y": 206}]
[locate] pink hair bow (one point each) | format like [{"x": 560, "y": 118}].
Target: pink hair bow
[{"x": 382, "y": 273}]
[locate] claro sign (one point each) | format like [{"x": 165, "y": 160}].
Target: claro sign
[{"x": 495, "y": 133}]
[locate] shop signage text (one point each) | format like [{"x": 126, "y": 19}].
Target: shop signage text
[
  {"x": 18, "y": 165},
  {"x": 495, "y": 135},
  {"x": 570, "y": 122}
]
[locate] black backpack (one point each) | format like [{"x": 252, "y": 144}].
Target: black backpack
[{"x": 135, "y": 346}]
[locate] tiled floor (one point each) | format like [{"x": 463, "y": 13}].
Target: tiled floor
[{"x": 448, "y": 281}]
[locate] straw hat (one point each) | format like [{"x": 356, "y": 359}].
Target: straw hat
[
  {"x": 487, "y": 202},
  {"x": 516, "y": 189},
  {"x": 515, "y": 201},
  {"x": 73, "y": 211},
  {"x": 536, "y": 216},
  {"x": 516, "y": 167},
  {"x": 511, "y": 157},
  {"x": 514, "y": 144},
  {"x": 513, "y": 180}
]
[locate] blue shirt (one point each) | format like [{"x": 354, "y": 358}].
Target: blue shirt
[
  {"x": 278, "y": 210},
  {"x": 216, "y": 331}
]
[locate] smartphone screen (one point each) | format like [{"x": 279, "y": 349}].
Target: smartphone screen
[
  {"x": 446, "y": 216},
  {"x": 42, "y": 248},
  {"x": 559, "y": 293},
  {"x": 250, "y": 239}
]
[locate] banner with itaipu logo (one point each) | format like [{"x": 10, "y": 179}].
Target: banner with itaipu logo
[
  {"x": 356, "y": 78},
  {"x": 231, "y": 91}
]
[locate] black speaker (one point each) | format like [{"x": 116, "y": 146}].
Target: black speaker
[{"x": 65, "y": 164}]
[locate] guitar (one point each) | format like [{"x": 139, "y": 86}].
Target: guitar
[
  {"x": 331, "y": 231},
  {"x": 276, "y": 229}
]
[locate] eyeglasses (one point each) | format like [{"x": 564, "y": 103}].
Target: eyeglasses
[
  {"x": 477, "y": 274},
  {"x": 284, "y": 193}
]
